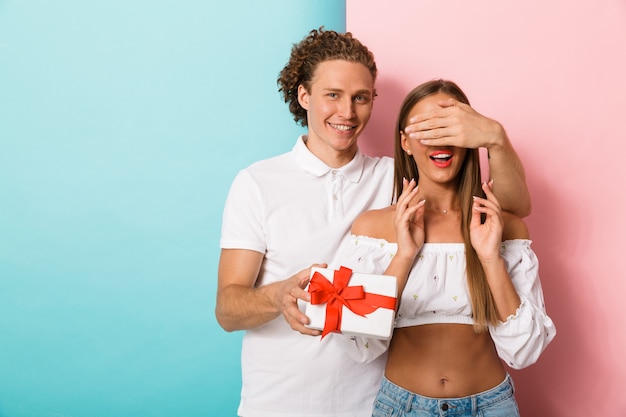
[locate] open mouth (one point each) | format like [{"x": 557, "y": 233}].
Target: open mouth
[
  {"x": 342, "y": 128},
  {"x": 441, "y": 158}
]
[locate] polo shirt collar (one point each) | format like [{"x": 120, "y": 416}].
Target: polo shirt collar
[{"x": 315, "y": 166}]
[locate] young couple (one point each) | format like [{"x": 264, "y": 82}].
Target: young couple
[{"x": 470, "y": 296}]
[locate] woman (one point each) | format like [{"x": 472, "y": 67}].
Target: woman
[{"x": 470, "y": 294}]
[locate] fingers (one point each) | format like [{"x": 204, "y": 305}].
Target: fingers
[
  {"x": 290, "y": 291},
  {"x": 486, "y": 236},
  {"x": 453, "y": 123},
  {"x": 409, "y": 190},
  {"x": 418, "y": 212},
  {"x": 487, "y": 186},
  {"x": 476, "y": 212},
  {"x": 482, "y": 205},
  {"x": 409, "y": 214},
  {"x": 491, "y": 197},
  {"x": 449, "y": 102},
  {"x": 305, "y": 277},
  {"x": 446, "y": 108},
  {"x": 489, "y": 206},
  {"x": 408, "y": 220},
  {"x": 297, "y": 320},
  {"x": 413, "y": 219},
  {"x": 436, "y": 136},
  {"x": 444, "y": 111}
]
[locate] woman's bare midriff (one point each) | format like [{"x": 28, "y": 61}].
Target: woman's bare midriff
[{"x": 443, "y": 360}]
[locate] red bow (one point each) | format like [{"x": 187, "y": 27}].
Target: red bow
[{"x": 337, "y": 294}]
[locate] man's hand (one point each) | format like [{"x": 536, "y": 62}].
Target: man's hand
[
  {"x": 455, "y": 124},
  {"x": 286, "y": 295}
]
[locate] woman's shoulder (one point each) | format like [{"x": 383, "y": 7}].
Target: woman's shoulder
[
  {"x": 514, "y": 227},
  {"x": 376, "y": 223}
]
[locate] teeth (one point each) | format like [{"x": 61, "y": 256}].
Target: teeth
[
  {"x": 442, "y": 156},
  {"x": 341, "y": 127}
]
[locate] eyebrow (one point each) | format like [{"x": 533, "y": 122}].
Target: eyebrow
[{"x": 339, "y": 90}]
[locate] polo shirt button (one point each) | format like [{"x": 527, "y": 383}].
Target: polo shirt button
[{"x": 444, "y": 407}]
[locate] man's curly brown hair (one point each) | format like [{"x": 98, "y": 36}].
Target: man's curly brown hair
[{"x": 320, "y": 45}]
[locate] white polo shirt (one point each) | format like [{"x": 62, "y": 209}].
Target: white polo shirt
[{"x": 296, "y": 210}]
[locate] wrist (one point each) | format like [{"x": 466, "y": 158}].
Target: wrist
[
  {"x": 492, "y": 263},
  {"x": 405, "y": 256},
  {"x": 499, "y": 139},
  {"x": 271, "y": 294}
]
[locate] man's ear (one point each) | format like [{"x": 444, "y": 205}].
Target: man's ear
[{"x": 303, "y": 97}]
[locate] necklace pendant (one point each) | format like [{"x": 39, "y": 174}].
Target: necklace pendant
[{"x": 444, "y": 211}]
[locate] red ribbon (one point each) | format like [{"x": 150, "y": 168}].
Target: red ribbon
[{"x": 337, "y": 294}]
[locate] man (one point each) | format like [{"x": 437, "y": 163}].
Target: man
[{"x": 287, "y": 212}]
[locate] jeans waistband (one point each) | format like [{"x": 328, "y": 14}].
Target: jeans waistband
[{"x": 450, "y": 406}]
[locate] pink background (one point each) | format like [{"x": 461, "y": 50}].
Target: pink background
[{"x": 554, "y": 74}]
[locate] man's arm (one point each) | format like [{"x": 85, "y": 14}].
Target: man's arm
[
  {"x": 457, "y": 124},
  {"x": 507, "y": 171},
  {"x": 241, "y": 306}
]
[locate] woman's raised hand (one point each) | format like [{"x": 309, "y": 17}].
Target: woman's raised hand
[
  {"x": 409, "y": 221},
  {"x": 486, "y": 237}
]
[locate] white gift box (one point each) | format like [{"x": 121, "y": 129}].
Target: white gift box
[{"x": 377, "y": 324}]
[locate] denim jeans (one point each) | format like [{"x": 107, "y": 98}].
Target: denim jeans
[{"x": 394, "y": 401}]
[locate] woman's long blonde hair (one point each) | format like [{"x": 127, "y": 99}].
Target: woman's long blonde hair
[{"x": 469, "y": 184}]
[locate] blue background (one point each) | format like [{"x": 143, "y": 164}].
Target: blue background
[{"x": 122, "y": 125}]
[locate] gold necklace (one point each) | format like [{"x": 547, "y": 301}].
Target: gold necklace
[{"x": 436, "y": 210}]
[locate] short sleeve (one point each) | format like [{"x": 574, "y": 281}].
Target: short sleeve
[
  {"x": 242, "y": 220},
  {"x": 522, "y": 338}
]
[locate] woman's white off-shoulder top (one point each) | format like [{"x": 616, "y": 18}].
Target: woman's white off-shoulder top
[{"x": 437, "y": 292}]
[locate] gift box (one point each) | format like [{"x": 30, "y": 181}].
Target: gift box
[{"x": 352, "y": 303}]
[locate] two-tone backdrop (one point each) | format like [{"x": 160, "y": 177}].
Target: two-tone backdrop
[{"x": 122, "y": 125}]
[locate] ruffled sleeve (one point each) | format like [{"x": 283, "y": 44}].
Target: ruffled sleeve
[
  {"x": 366, "y": 255},
  {"x": 369, "y": 256},
  {"x": 522, "y": 338}
]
